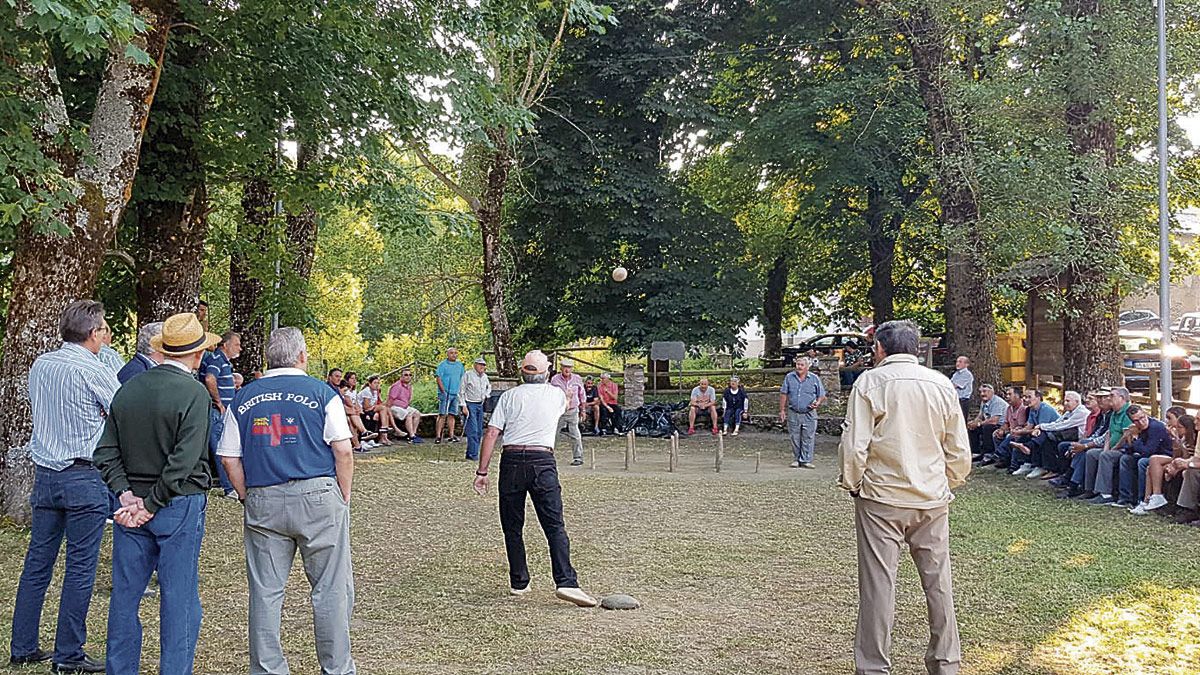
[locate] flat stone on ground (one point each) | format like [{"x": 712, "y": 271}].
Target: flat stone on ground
[{"x": 620, "y": 601}]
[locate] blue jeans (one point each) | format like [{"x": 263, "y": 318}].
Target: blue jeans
[
  {"x": 216, "y": 427},
  {"x": 447, "y": 403},
  {"x": 1129, "y": 479},
  {"x": 733, "y": 417},
  {"x": 474, "y": 429},
  {"x": 1079, "y": 468},
  {"x": 74, "y": 503},
  {"x": 169, "y": 543},
  {"x": 1003, "y": 450}
]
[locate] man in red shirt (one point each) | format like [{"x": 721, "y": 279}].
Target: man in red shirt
[{"x": 400, "y": 403}]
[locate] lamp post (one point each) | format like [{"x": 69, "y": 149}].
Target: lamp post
[{"x": 1164, "y": 216}]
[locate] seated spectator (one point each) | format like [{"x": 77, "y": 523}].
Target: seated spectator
[
  {"x": 1065, "y": 451},
  {"x": 376, "y": 415},
  {"x": 591, "y": 407},
  {"x": 1102, "y": 463},
  {"x": 981, "y": 428},
  {"x": 334, "y": 378},
  {"x": 610, "y": 412},
  {"x": 1026, "y": 455},
  {"x": 1149, "y": 438},
  {"x": 737, "y": 406},
  {"x": 359, "y": 434},
  {"x": 1069, "y": 427},
  {"x": 1014, "y": 418},
  {"x": 1094, "y": 437},
  {"x": 1156, "y": 470},
  {"x": 704, "y": 399},
  {"x": 399, "y": 402}
]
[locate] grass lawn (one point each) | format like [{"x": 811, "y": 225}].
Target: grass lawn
[{"x": 738, "y": 572}]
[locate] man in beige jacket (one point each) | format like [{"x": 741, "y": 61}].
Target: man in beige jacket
[{"x": 904, "y": 448}]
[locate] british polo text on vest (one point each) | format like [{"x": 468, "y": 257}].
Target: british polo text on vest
[{"x": 278, "y": 396}]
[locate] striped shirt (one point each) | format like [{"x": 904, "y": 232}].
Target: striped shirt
[
  {"x": 109, "y": 357},
  {"x": 70, "y": 391},
  {"x": 215, "y": 363}
]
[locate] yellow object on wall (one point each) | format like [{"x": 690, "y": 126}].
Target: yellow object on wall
[{"x": 1010, "y": 349}]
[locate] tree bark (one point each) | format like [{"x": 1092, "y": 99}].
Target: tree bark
[
  {"x": 882, "y": 228},
  {"x": 170, "y": 255},
  {"x": 490, "y": 216},
  {"x": 772, "y": 314},
  {"x": 49, "y": 270},
  {"x": 971, "y": 326},
  {"x": 245, "y": 289},
  {"x": 1091, "y": 349},
  {"x": 302, "y": 225}
]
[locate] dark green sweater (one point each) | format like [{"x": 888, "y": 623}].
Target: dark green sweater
[{"x": 155, "y": 440}]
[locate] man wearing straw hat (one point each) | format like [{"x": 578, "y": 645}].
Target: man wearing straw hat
[
  {"x": 528, "y": 416},
  {"x": 154, "y": 456}
]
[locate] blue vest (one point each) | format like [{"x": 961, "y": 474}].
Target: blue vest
[{"x": 281, "y": 421}]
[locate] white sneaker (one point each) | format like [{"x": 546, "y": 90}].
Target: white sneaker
[
  {"x": 795, "y": 465},
  {"x": 1156, "y": 502},
  {"x": 1036, "y": 473},
  {"x": 1025, "y": 468},
  {"x": 736, "y": 430},
  {"x": 1139, "y": 510},
  {"x": 520, "y": 591},
  {"x": 725, "y": 432},
  {"x": 576, "y": 596}
]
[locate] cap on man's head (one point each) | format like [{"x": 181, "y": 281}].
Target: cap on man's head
[
  {"x": 735, "y": 378},
  {"x": 481, "y": 361},
  {"x": 1101, "y": 392},
  {"x": 535, "y": 362},
  {"x": 566, "y": 363}
]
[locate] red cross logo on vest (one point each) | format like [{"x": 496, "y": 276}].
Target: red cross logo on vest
[{"x": 276, "y": 429}]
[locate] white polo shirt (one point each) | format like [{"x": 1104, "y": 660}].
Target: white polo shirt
[{"x": 528, "y": 414}]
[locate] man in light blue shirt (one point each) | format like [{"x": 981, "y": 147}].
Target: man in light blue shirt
[
  {"x": 70, "y": 392},
  {"x": 449, "y": 376},
  {"x": 799, "y": 397}
]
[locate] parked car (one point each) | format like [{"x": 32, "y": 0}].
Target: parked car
[
  {"x": 1148, "y": 360},
  {"x": 1137, "y": 318},
  {"x": 1187, "y": 324},
  {"x": 825, "y": 345}
]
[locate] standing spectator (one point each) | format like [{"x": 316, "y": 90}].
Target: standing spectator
[
  {"x": 399, "y": 402},
  {"x": 70, "y": 392},
  {"x": 375, "y": 410},
  {"x": 530, "y": 416},
  {"x": 238, "y": 381},
  {"x": 202, "y": 314},
  {"x": 334, "y": 379},
  {"x": 610, "y": 412},
  {"x": 737, "y": 406},
  {"x": 799, "y": 397},
  {"x": 107, "y": 354},
  {"x": 217, "y": 373},
  {"x": 449, "y": 376},
  {"x": 981, "y": 430},
  {"x": 904, "y": 449},
  {"x": 703, "y": 400},
  {"x": 154, "y": 457},
  {"x": 572, "y": 387},
  {"x": 964, "y": 384},
  {"x": 476, "y": 388},
  {"x": 145, "y": 358},
  {"x": 1103, "y": 462},
  {"x": 591, "y": 406},
  {"x": 295, "y": 500}
]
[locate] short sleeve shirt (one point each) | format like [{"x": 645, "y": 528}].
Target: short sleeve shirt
[
  {"x": 451, "y": 374},
  {"x": 367, "y": 398},
  {"x": 528, "y": 414},
  {"x": 995, "y": 407},
  {"x": 215, "y": 363},
  {"x": 701, "y": 395},
  {"x": 801, "y": 393}
]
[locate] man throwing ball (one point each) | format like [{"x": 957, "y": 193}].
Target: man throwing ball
[{"x": 528, "y": 416}]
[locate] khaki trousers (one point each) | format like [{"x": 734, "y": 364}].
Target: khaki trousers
[
  {"x": 881, "y": 529},
  {"x": 1189, "y": 494}
]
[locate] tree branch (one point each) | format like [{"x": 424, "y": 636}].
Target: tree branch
[
  {"x": 449, "y": 182},
  {"x": 538, "y": 91}
]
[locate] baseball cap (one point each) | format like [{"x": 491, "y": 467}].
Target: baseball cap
[
  {"x": 481, "y": 361},
  {"x": 566, "y": 363},
  {"x": 535, "y": 362}
]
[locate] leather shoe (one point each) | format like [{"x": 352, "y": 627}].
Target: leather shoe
[
  {"x": 86, "y": 665},
  {"x": 36, "y": 657}
]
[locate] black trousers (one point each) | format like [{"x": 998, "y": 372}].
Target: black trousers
[
  {"x": 982, "y": 441},
  {"x": 608, "y": 420},
  {"x": 534, "y": 473}
]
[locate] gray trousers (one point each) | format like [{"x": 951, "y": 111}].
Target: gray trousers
[
  {"x": 1106, "y": 464},
  {"x": 1189, "y": 494},
  {"x": 881, "y": 530},
  {"x": 311, "y": 516},
  {"x": 802, "y": 428},
  {"x": 571, "y": 420}
]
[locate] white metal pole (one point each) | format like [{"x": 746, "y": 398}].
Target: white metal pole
[{"x": 1164, "y": 215}]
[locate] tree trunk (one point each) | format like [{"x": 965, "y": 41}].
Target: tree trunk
[
  {"x": 882, "y": 227},
  {"x": 490, "y": 215},
  {"x": 772, "y": 315},
  {"x": 245, "y": 289},
  {"x": 49, "y": 270},
  {"x": 302, "y": 225},
  {"x": 1091, "y": 354},
  {"x": 170, "y": 256},
  {"x": 971, "y": 326}
]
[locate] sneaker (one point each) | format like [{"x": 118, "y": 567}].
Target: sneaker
[
  {"x": 519, "y": 591},
  {"x": 437, "y": 441},
  {"x": 1101, "y": 500},
  {"x": 1139, "y": 510},
  {"x": 736, "y": 431},
  {"x": 369, "y": 436},
  {"x": 807, "y": 465},
  {"x": 795, "y": 465},
  {"x": 454, "y": 439},
  {"x": 1035, "y": 473},
  {"x": 1025, "y": 468},
  {"x": 1121, "y": 503},
  {"x": 576, "y": 596},
  {"x": 230, "y": 494},
  {"x": 1156, "y": 502},
  {"x": 577, "y": 462},
  {"x": 725, "y": 432}
]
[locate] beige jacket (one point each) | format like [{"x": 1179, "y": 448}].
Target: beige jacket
[{"x": 904, "y": 441}]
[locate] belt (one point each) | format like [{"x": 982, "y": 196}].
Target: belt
[
  {"x": 82, "y": 462},
  {"x": 527, "y": 448}
]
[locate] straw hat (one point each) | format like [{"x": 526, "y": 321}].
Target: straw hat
[{"x": 181, "y": 335}]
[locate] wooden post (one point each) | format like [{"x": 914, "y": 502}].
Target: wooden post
[
  {"x": 628, "y": 448},
  {"x": 1154, "y": 395},
  {"x": 720, "y": 451},
  {"x": 633, "y": 446},
  {"x": 593, "y": 446},
  {"x": 757, "y": 460},
  {"x": 671, "y": 453}
]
